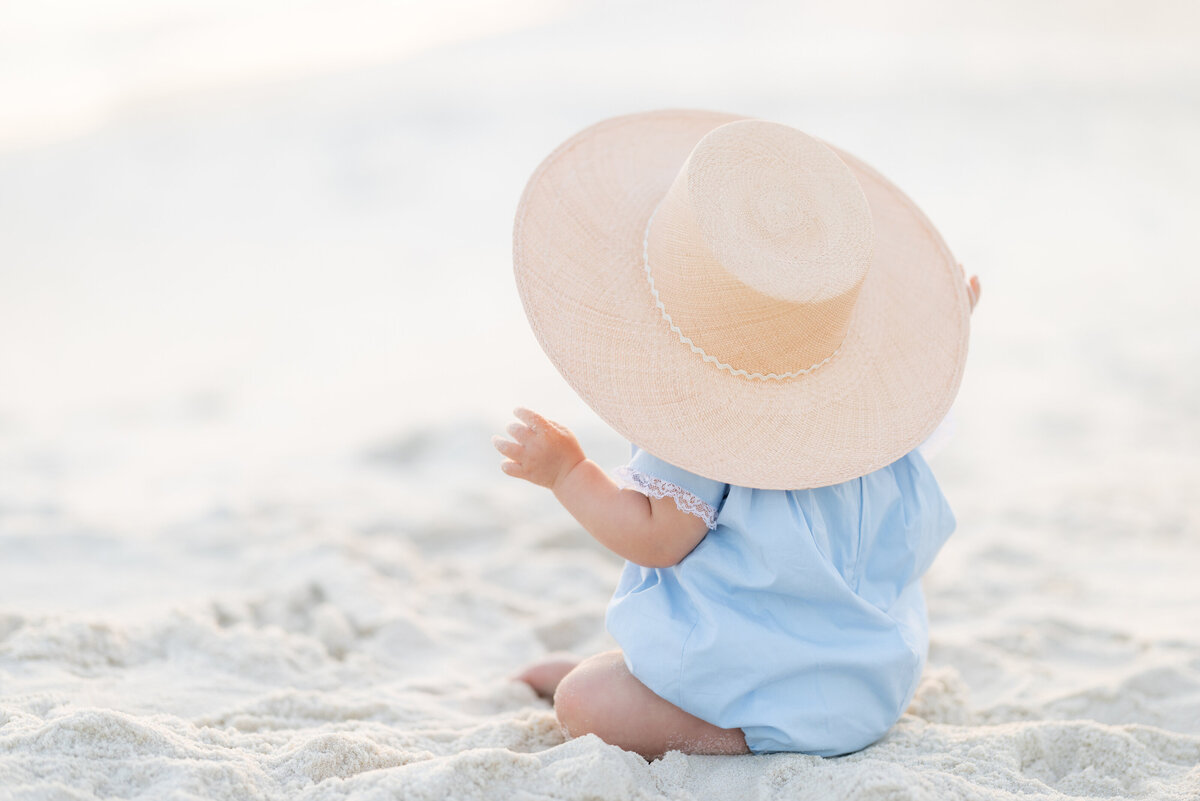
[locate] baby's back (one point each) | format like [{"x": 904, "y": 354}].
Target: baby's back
[{"x": 800, "y": 617}]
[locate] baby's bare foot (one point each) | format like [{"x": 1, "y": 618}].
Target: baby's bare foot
[{"x": 545, "y": 676}]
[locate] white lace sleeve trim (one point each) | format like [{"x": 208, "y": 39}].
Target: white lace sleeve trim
[{"x": 629, "y": 478}]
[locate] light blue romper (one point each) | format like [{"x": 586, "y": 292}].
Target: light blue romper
[{"x": 799, "y": 617}]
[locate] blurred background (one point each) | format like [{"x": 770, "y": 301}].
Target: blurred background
[{"x": 255, "y": 256}]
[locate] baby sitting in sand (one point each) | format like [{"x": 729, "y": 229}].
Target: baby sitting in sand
[{"x": 776, "y": 328}]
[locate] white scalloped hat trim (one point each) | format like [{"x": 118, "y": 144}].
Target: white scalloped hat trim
[{"x": 739, "y": 298}]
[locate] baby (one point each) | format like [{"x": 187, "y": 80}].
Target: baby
[
  {"x": 599, "y": 695},
  {"x": 788, "y": 319}
]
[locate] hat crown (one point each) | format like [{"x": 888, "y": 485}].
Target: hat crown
[{"x": 757, "y": 251}]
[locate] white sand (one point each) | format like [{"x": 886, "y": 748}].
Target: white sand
[
  {"x": 253, "y": 540},
  {"x": 297, "y": 657}
]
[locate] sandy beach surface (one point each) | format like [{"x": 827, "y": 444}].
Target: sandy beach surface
[{"x": 255, "y": 335}]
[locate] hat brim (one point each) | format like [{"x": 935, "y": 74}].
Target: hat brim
[{"x": 577, "y": 257}]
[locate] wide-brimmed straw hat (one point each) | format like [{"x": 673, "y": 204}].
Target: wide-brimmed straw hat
[{"x": 739, "y": 298}]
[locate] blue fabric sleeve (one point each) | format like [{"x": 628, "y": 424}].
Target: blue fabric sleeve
[{"x": 710, "y": 491}]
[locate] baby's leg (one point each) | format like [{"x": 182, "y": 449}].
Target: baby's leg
[{"x": 602, "y": 697}]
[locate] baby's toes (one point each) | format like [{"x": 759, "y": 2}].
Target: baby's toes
[{"x": 545, "y": 676}]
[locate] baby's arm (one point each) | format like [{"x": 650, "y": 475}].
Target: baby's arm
[{"x": 652, "y": 532}]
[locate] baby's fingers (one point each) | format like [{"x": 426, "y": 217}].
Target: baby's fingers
[
  {"x": 532, "y": 418},
  {"x": 519, "y": 431},
  {"x": 973, "y": 290},
  {"x": 513, "y": 469},
  {"x": 510, "y": 449}
]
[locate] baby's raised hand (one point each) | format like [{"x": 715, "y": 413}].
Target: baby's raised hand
[
  {"x": 544, "y": 451},
  {"x": 972, "y": 287}
]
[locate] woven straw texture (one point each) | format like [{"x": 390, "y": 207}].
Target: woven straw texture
[{"x": 770, "y": 253}]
